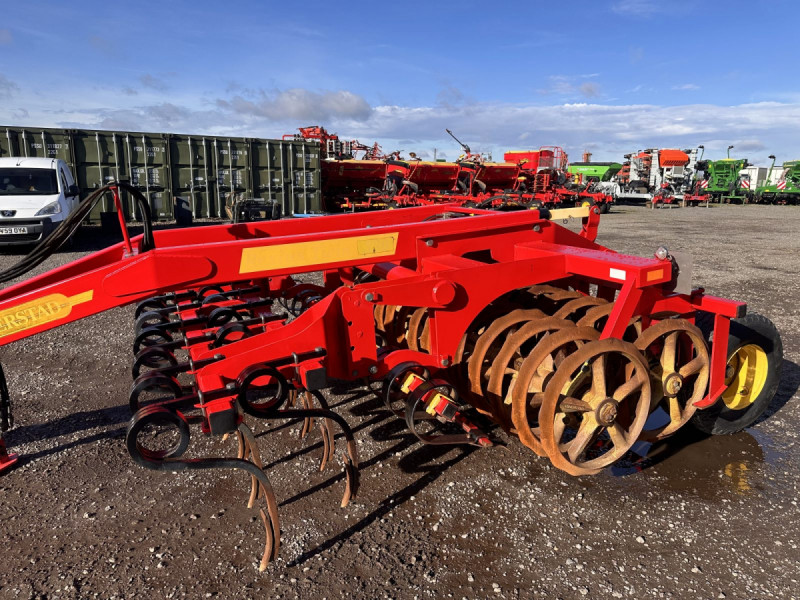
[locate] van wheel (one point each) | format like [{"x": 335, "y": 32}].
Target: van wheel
[{"x": 755, "y": 360}]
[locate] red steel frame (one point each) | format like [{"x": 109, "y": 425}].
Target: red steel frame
[{"x": 453, "y": 266}]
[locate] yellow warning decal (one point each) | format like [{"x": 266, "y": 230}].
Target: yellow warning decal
[
  {"x": 40, "y": 311},
  {"x": 303, "y": 254},
  {"x": 578, "y": 212}
]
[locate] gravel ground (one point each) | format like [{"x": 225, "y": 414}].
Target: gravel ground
[{"x": 695, "y": 518}]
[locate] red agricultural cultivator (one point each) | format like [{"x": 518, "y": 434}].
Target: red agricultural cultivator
[
  {"x": 524, "y": 180},
  {"x": 472, "y": 322}
]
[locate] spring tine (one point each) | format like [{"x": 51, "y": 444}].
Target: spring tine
[
  {"x": 327, "y": 434},
  {"x": 351, "y": 473},
  {"x": 326, "y": 428},
  {"x": 307, "y": 422},
  {"x": 244, "y": 453},
  {"x": 272, "y": 510},
  {"x": 249, "y": 452},
  {"x": 269, "y": 542},
  {"x": 273, "y": 537}
]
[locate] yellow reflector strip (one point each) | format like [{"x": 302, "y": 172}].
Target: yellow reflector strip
[
  {"x": 40, "y": 311},
  {"x": 434, "y": 402},
  {"x": 578, "y": 212},
  {"x": 303, "y": 254},
  {"x": 405, "y": 387}
]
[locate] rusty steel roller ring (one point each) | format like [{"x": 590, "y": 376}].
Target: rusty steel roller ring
[
  {"x": 491, "y": 340},
  {"x": 578, "y": 307},
  {"x": 261, "y": 390},
  {"x": 677, "y": 354},
  {"x": 504, "y": 371},
  {"x": 533, "y": 377},
  {"x": 415, "y": 328},
  {"x": 595, "y": 406}
]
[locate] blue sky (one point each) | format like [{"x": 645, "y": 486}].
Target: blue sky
[{"x": 610, "y": 76}]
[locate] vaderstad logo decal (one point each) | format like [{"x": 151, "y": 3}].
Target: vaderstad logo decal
[{"x": 38, "y": 312}]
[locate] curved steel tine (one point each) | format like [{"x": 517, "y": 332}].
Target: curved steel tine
[
  {"x": 247, "y": 441},
  {"x": 273, "y": 538},
  {"x": 308, "y": 422},
  {"x": 351, "y": 472},
  {"x": 325, "y": 429},
  {"x": 269, "y": 543},
  {"x": 243, "y": 453}
]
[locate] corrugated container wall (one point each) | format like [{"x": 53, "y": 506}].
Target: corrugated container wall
[{"x": 203, "y": 170}]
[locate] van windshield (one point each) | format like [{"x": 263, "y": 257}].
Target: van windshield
[{"x": 28, "y": 182}]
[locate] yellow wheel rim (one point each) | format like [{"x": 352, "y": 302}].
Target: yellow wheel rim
[
  {"x": 586, "y": 203},
  {"x": 746, "y": 375}
]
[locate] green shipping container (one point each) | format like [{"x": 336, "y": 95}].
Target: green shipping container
[{"x": 202, "y": 170}]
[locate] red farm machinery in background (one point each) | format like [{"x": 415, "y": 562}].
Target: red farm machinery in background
[
  {"x": 474, "y": 325},
  {"x": 374, "y": 180}
]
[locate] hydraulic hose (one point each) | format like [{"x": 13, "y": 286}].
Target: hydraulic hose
[{"x": 70, "y": 225}]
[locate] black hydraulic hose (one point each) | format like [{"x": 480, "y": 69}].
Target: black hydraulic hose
[
  {"x": 70, "y": 225},
  {"x": 6, "y": 418}
]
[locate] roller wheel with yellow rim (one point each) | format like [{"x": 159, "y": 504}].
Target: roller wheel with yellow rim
[{"x": 755, "y": 359}]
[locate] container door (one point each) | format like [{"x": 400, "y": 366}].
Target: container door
[
  {"x": 190, "y": 173},
  {"x": 147, "y": 159},
  {"x": 98, "y": 162},
  {"x": 9, "y": 142},
  {"x": 233, "y": 171}
]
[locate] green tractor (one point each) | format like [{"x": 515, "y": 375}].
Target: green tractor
[{"x": 785, "y": 189}]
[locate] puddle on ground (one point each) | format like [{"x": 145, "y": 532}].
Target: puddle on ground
[{"x": 707, "y": 466}]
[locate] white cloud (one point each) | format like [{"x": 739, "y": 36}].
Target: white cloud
[
  {"x": 300, "y": 104},
  {"x": 611, "y": 130},
  {"x": 572, "y": 86},
  {"x": 686, "y": 87}
]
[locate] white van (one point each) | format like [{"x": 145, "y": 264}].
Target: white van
[{"x": 36, "y": 194}]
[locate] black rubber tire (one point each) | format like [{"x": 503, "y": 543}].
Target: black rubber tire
[
  {"x": 750, "y": 329},
  {"x": 605, "y": 208}
]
